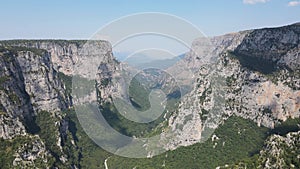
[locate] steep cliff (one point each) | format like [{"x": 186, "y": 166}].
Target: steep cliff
[
  {"x": 255, "y": 78},
  {"x": 35, "y": 95},
  {"x": 29, "y": 86},
  {"x": 63, "y": 53}
]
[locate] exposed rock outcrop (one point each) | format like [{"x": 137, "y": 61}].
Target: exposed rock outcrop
[{"x": 278, "y": 151}]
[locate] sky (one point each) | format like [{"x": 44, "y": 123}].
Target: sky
[{"x": 74, "y": 19}]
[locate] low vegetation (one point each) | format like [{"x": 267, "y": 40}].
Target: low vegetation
[
  {"x": 255, "y": 63},
  {"x": 9, "y": 51}
]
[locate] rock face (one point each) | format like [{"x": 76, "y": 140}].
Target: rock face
[
  {"x": 41, "y": 82},
  {"x": 64, "y": 54},
  {"x": 266, "y": 93},
  {"x": 31, "y": 88},
  {"x": 272, "y": 44},
  {"x": 29, "y": 85}
]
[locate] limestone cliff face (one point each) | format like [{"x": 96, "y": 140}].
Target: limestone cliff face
[
  {"x": 253, "y": 95},
  {"x": 41, "y": 82},
  {"x": 29, "y": 86},
  {"x": 31, "y": 89},
  {"x": 14, "y": 99},
  {"x": 64, "y": 54},
  {"x": 265, "y": 93},
  {"x": 273, "y": 44}
]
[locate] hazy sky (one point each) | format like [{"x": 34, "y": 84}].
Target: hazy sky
[{"x": 74, "y": 19}]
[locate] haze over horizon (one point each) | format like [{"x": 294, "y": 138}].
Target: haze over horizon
[{"x": 81, "y": 19}]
